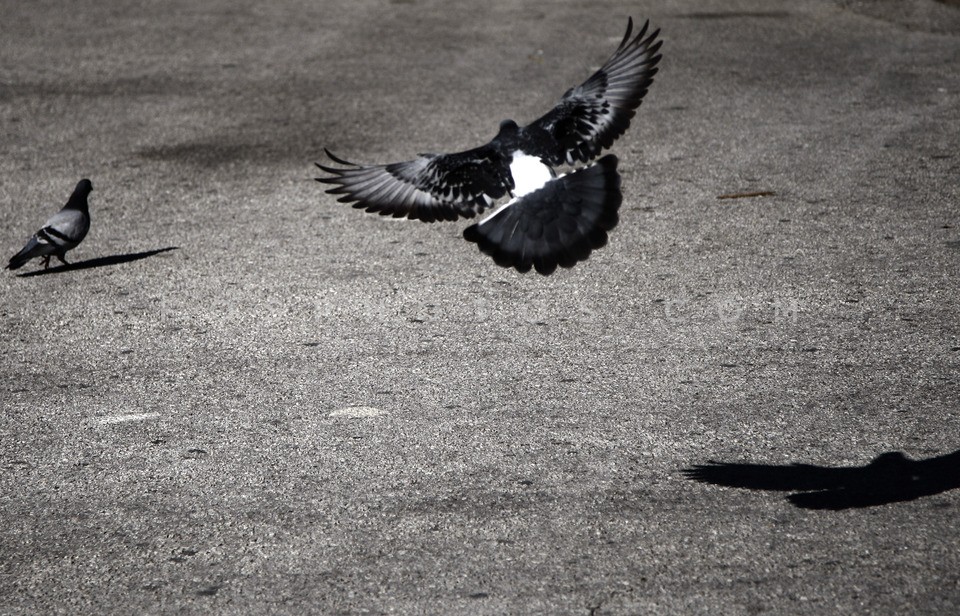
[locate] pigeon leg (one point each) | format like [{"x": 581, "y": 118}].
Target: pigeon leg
[
  {"x": 46, "y": 261},
  {"x": 62, "y": 258}
]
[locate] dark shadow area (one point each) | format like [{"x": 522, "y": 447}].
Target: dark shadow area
[
  {"x": 737, "y": 15},
  {"x": 890, "y": 478},
  {"x": 98, "y": 262},
  {"x": 206, "y": 154}
]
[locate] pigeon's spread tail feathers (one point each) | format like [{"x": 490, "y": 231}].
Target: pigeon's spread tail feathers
[{"x": 559, "y": 224}]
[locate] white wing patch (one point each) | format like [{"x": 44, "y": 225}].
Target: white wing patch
[{"x": 529, "y": 174}]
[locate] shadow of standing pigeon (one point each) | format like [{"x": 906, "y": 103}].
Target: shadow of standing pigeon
[
  {"x": 98, "y": 262},
  {"x": 890, "y": 478}
]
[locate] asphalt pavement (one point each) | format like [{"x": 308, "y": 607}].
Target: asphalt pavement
[{"x": 244, "y": 397}]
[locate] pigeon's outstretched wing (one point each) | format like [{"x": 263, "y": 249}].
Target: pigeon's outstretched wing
[
  {"x": 591, "y": 116},
  {"x": 558, "y": 224},
  {"x": 62, "y": 232},
  {"x": 429, "y": 188}
]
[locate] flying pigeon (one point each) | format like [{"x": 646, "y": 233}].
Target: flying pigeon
[
  {"x": 551, "y": 219},
  {"x": 62, "y": 232}
]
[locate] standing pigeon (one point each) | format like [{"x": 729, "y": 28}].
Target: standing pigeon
[
  {"x": 61, "y": 233},
  {"x": 551, "y": 219}
]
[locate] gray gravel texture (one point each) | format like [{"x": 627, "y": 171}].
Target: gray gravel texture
[{"x": 303, "y": 408}]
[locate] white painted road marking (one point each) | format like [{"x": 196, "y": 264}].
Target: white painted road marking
[
  {"x": 358, "y": 411},
  {"x": 113, "y": 419}
]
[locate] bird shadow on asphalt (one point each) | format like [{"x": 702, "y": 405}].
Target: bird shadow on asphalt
[
  {"x": 890, "y": 478},
  {"x": 99, "y": 262}
]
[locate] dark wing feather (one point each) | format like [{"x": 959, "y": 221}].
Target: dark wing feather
[
  {"x": 590, "y": 117},
  {"x": 559, "y": 224},
  {"x": 429, "y": 188}
]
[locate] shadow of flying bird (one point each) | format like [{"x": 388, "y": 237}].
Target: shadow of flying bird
[
  {"x": 551, "y": 220},
  {"x": 891, "y": 477}
]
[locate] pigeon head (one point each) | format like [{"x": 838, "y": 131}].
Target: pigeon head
[
  {"x": 508, "y": 127},
  {"x": 508, "y": 138},
  {"x": 78, "y": 200}
]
